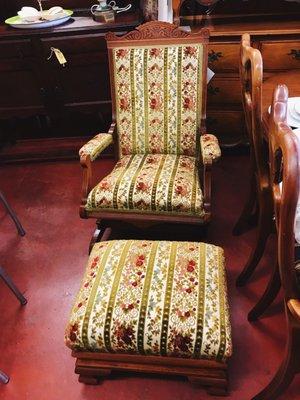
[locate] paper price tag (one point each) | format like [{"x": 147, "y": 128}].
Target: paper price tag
[{"x": 59, "y": 55}]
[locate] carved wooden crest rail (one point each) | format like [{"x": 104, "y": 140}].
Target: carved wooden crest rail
[{"x": 156, "y": 30}]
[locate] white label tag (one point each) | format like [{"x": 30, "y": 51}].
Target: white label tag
[
  {"x": 210, "y": 75},
  {"x": 59, "y": 55}
]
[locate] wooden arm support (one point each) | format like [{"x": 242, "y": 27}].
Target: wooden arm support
[
  {"x": 207, "y": 167},
  {"x": 86, "y": 164}
]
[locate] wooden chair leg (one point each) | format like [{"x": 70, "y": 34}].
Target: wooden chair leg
[
  {"x": 12, "y": 287},
  {"x": 96, "y": 235},
  {"x": 102, "y": 233},
  {"x": 3, "y": 377},
  {"x": 268, "y": 297},
  {"x": 248, "y": 217},
  {"x": 215, "y": 391},
  {"x": 264, "y": 230},
  {"x": 12, "y": 214},
  {"x": 288, "y": 369}
]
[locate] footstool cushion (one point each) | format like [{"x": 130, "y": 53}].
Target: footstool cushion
[{"x": 153, "y": 298}]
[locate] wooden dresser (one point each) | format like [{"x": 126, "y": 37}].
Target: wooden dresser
[
  {"x": 44, "y": 102},
  {"x": 31, "y": 85},
  {"x": 279, "y": 43},
  {"x": 275, "y": 31}
]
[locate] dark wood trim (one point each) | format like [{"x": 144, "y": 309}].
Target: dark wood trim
[
  {"x": 50, "y": 149},
  {"x": 210, "y": 374}
]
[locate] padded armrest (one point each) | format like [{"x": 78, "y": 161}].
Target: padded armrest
[
  {"x": 210, "y": 148},
  {"x": 95, "y": 146}
]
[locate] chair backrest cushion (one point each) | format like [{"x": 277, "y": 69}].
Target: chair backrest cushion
[{"x": 158, "y": 98}]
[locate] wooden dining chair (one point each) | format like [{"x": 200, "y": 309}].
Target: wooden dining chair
[
  {"x": 251, "y": 73},
  {"x": 163, "y": 174},
  {"x": 284, "y": 153}
]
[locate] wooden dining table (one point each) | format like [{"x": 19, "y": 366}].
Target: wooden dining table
[{"x": 290, "y": 78}]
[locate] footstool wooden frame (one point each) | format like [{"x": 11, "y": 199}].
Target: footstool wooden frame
[
  {"x": 91, "y": 367},
  {"x": 153, "y": 307}
]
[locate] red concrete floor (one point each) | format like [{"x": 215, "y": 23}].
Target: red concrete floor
[{"x": 48, "y": 263}]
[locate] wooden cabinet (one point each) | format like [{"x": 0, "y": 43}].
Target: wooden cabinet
[
  {"x": 34, "y": 85},
  {"x": 31, "y": 84},
  {"x": 85, "y": 77},
  {"x": 280, "y": 55},
  {"x": 274, "y": 29},
  {"x": 280, "y": 46},
  {"x": 224, "y": 57},
  {"x": 18, "y": 78}
]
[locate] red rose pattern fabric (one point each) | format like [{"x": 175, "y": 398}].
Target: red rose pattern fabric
[
  {"x": 158, "y": 99},
  {"x": 154, "y": 183},
  {"x": 153, "y": 297}
]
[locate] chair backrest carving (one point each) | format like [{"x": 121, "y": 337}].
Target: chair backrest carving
[
  {"x": 251, "y": 74},
  {"x": 284, "y": 154},
  {"x": 158, "y": 82}
]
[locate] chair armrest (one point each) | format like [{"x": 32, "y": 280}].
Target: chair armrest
[
  {"x": 206, "y": 181},
  {"x": 95, "y": 146},
  {"x": 210, "y": 149},
  {"x": 88, "y": 153}
]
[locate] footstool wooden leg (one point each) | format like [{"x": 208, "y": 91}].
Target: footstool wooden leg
[
  {"x": 89, "y": 380},
  {"x": 214, "y": 386},
  {"x": 216, "y": 391},
  {"x": 91, "y": 376}
]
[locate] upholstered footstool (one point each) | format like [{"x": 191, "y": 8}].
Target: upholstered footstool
[{"x": 153, "y": 306}]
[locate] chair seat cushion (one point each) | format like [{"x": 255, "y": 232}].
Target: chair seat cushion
[
  {"x": 153, "y": 183},
  {"x": 153, "y": 298}
]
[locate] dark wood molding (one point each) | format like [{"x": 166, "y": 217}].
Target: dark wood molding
[{"x": 47, "y": 149}]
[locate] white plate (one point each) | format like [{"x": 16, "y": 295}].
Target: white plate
[
  {"x": 297, "y": 132},
  {"x": 17, "y": 22},
  {"x": 293, "y": 119},
  {"x": 297, "y": 108}
]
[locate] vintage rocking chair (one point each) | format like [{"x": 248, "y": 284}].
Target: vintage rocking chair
[{"x": 163, "y": 174}]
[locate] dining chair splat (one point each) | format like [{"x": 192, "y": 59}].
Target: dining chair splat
[{"x": 251, "y": 73}]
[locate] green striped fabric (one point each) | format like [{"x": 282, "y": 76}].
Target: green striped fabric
[{"x": 153, "y": 297}]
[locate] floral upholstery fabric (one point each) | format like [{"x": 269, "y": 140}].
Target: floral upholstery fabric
[
  {"x": 96, "y": 145},
  {"x": 153, "y": 297},
  {"x": 158, "y": 99},
  {"x": 155, "y": 183},
  {"x": 210, "y": 148}
]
